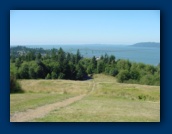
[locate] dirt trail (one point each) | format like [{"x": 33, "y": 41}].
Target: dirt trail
[
  {"x": 93, "y": 87},
  {"x": 43, "y": 110}
]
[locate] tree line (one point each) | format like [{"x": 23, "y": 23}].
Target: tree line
[{"x": 58, "y": 64}]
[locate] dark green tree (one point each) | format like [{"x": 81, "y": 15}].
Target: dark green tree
[
  {"x": 18, "y": 63},
  {"x": 54, "y": 75},
  {"x": 41, "y": 70},
  {"x": 113, "y": 71},
  {"x": 24, "y": 71},
  {"x": 32, "y": 73},
  {"x": 123, "y": 75},
  {"x": 80, "y": 72},
  {"x": 30, "y": 56},
  {"x": 111, "y": 59},
  {"x": 89, "y": 69},
  {"x": 38, "y": 56},
  {"x": 78, "y": 57},
  {"x": 53, "y": 54},
  {"x": 100, "y": 66},
  {"x": 94, "y": 63},
  {"x": 123, "y": 65},
  {"x": 135, "y": 75}
]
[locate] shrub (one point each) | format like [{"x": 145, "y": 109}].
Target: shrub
[
  {"x": 54, "y": 75},
  {"x": 142, "y": 97},
  {"x": 134, "y": 74},
  {"x": 147, "y": 80},
  {"x": 14, "y": 85},
  {"x": 113, "y": 72},
  {"x": 61, "y": 76},
  {"x": 123, "y": 75},
  {"x": 48, "y": 76}
]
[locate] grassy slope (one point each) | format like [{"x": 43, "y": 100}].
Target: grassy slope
[
  {"x": 105, "y": 109},
  {"x": 109, "y": 101},
  {"x": 42, "y": 92},
  {"x": 22, "y": 102}
]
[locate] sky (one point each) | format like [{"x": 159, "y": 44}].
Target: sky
[{"x": 50, "y": 27}]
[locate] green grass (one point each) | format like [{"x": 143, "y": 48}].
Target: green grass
[
  {"x": 105, "y": 109},
  {"x": 127, "y": 92},
  {"x": 42, "y": 92},
  {"x": 110, "y": 101},
  {"x": 22, "y": 102}
]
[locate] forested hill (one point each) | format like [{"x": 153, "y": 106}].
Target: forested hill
[
  {"x": 38, "y": 63},
  {"x": 147, "y": 44},
  {"x": 22, "y": 50}
]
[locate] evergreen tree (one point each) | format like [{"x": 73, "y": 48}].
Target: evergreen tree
[
  {"x": 24, "y": 71},
  {"x": 80, "y": 73},
  {"x": 53, "y": 54},
  {"x": 94, "y": 63},
  {"x": 39, "y": 56},
  {"x": 100, "y": 67},
  {"x": 78, "y": 56},
  {"x": 18, "y": 63},
  {"x": 58, "y": 64},
  {"x": 42, "y": 70}
]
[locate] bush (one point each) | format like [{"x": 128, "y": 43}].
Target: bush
[
  {"x": 14, "y": 85},
  {"x": 48, "y": 76},
  {"x": 123, "y": 76},
  {"x": 147, "y": 80},
  {"x": 61, "y": 76},
  {"x": 142, "y": 97},
  {"x": 134, "y": 74},
  {"x": 113, "y": 72},
  {"x": 54, "y": 75}
]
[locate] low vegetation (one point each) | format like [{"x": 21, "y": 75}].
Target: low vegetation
[
  {"x": 14, "y": 85},
  {"x": 23, "y": 102},
  {"x": 106, "y": 100},
  {"x": 105, "y": 109},
  {"x": 116, "y": 90}
]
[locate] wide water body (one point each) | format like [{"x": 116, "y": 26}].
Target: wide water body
[{"x": 148, "y": 55}]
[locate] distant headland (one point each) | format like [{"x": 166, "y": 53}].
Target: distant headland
[{"x": 147, "y": 44}]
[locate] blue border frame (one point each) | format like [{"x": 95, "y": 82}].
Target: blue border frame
[{"x": 166, "y": 91}]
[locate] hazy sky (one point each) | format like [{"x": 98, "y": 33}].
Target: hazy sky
[{"x": 36, "y": 27}]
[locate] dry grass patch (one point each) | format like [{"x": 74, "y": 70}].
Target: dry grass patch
[{"x": 56, "y": 86}]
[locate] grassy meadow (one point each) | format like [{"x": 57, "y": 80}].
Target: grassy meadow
[{"x": 106, "y": 100}]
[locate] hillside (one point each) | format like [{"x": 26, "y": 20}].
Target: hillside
[
  {"x": 101, "y": 99},
  {"x": 147, "y": 44}
]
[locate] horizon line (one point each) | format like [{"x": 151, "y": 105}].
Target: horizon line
[{"x": 83, "y": 44}]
